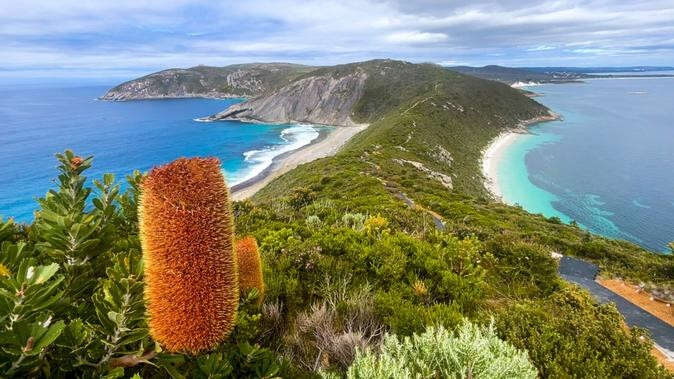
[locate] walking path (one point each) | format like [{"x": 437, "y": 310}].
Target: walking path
[
  {"x": 583, "y": 273},
  {"x": 436, "y": 219}
]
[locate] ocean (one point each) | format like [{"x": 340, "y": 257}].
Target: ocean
[
  {"x": 608, "y": 165},
  {"x": 38, "y": 121}
]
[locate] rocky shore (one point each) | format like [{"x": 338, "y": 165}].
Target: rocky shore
[{"x": 319, "y": 99}]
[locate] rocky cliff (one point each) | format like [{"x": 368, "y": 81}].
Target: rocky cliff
[
  {"x": 318, "y": 99},
  {"x": 245, "y": 80}
]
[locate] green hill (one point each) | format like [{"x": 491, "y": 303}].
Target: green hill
[{"x": 522, "y": 74}]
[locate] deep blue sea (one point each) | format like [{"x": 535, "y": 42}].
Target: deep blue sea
[
  {"x": 37, "y": 121},
  {"x": 609, "y": 165}
]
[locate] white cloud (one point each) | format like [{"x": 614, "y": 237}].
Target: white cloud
[
  {"x": 415, "y": 37},
  {"x": 452, "y": 63},
  {"x": 541, "y": 48},
  {"x": 154, "y": 34}
]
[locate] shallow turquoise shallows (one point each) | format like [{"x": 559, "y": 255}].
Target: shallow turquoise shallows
[
  {"x": 609, "y": 165},
  {"x": 39, "y": 121}
]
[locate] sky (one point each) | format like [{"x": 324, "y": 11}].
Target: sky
[{"x": 127, "y": 38}]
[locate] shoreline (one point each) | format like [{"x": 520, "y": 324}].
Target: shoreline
[
  {"x": 326, "y": 144},
  {"x": 494, "y": 152},
  {"x": 171, "y": 97}
]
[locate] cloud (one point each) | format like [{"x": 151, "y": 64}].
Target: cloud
[
  {"x": 541, "y": 48},
  {"x": 415, "y": 37},
  {"x": 147, "y": 35}
]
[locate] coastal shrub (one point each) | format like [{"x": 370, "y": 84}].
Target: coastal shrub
[
  {"x": 325, "y": 209},
  {"x": 453, "y": 271},
  {"x": 7, "y": 230},
  {"x": 526, "y": 269},
  {"x": 313, "y": 222},
  {"x": 28, "y": 290},
  {"x": 355, "y": 221},
  {"x": 473, "y": 351},
  {"x": 570, "y": 335},
  {"x": 415, "y": 276},
  {"x": 375, "y": 225},
  {"x": 406, "y": 316},
  {"x": 186, "y": 229},
  {"x": 301, "y": 197},
  {"x": 71, "y": 234}
]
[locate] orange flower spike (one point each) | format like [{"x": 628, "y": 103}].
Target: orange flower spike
[
  {"x": 250, "y": 266},
  {"x": 186, "y": 231},
  {"x": 76, "y": 162}
]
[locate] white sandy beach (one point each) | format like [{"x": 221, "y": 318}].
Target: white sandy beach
[
  {"x": 494, "y": 152},
  {"x": 323, "y": 148},
  {"x": 491, "y": 158}
]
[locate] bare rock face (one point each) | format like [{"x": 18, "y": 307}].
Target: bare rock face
[{"x": 319, "y": 99}]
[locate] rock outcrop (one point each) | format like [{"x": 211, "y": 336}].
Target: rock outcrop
[
  {"x": 318, "y": 99},
  {"x": 444, "y": 179},
  {"x": 246, "y": 80}
]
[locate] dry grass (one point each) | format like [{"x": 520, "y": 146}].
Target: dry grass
[{"x": 330, "y": 332}]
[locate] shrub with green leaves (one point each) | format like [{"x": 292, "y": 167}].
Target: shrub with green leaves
[
  {"x": 570, "y": 335},
  {"x": 472, "y": 352},
  {"x": 313, "y": 222},
  {"x": 71, "y": 299},
  {"x": 27, "y": 291},
  {"x": 71, "y": 292}
]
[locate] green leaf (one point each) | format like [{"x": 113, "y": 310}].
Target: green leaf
[
  {"x": 133, "y": 336},
  {"x": 117, "y": 318},
  {"x": 117, "y": 372},
  {"x": 97, "y": 203},
  {"x": 47, "y": 337},
  {"x": 74, "y": 334},
  {"x": 44, "y": 273}
]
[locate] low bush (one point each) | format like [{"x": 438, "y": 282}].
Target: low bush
[{"x": 471, "y": 352}]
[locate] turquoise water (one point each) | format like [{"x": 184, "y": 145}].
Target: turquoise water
[
  {"x": 39, "y": 121},
  {"x": 608, "y": 165}
]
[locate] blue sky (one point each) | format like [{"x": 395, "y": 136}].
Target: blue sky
[{"x": 125, "y": 38}]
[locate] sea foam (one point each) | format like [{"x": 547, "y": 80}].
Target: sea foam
[{"x": 256, "y": 161}]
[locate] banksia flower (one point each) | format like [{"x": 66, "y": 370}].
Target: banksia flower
[
  {"x": 250, "y": 266},
  {"x": 76, "y": 162},
  {"x": 186, "y": 230}
]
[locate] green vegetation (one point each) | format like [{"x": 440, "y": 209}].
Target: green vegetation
[
  {"x": 473, "y": 352},
  {"x": 513, "y": 74},
  {"x": 346, "y": 262}
]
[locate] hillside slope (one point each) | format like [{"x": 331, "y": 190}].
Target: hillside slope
[
  {"x": 393, "y": 234},
  {"x": 243, "y": 80},
  {"x": 416, "y": 164},
  {"x": 360, "y": 93},
  {"x": 512, "y": 75}
]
